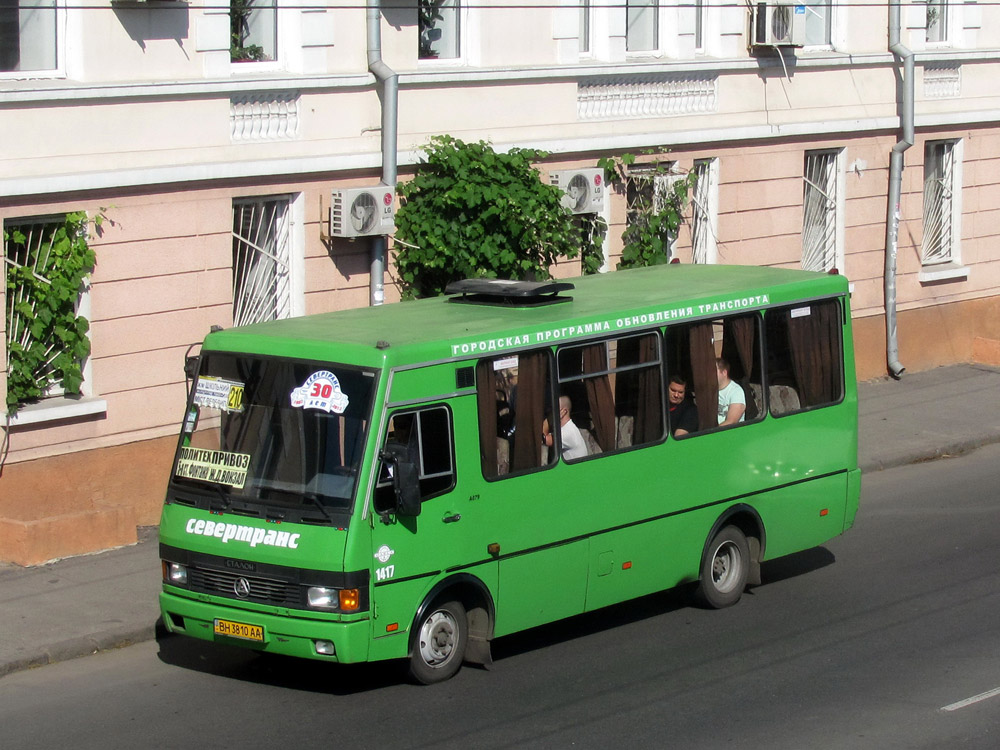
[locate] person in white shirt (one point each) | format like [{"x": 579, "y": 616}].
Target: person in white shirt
[
  {"x": 732, "y": 400},
  {"x": 570, "y": 438}
]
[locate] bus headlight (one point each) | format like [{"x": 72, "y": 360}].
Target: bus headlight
[
  {"x": 174, "y": 573},
  {"x": 321, "y": 597}
]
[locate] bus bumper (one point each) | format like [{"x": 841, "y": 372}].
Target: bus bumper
[{"x": 279, "y": 634}]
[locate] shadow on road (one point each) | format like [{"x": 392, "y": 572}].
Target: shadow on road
[
  {"x": 348, "y": 679},
  {"x": 798, "y": 564}
]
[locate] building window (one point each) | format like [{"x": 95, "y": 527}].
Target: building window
[
  {"x": 648, "y": 190},
  {"x": 821, "y": 211},
  {"x": 438, "y": 22},
  {"x": 699, "y": 25},
  {"x": 46, "y": 261},
  {"x": 28, "y": 35},
  {"x": 937, "y": 21},
  {"x": 942, "y": 186},
  {"x": 585, "y": 11},
  {"x": 642, "y": 33},
  {"x": 819, "y": 23},
  {"x": 705, "y": 212},
  {"x": 261, "y": 263},
  {"x": 254, "y": 30}
]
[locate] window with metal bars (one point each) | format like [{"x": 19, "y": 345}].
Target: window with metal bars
[
  {"x": 820, "y": 207},
  {"x": 705, "y": 211},
  {"x": 940, "y": 240},
  {"x": 47, "y": 341},
  {"x": 261, "y": 278}
]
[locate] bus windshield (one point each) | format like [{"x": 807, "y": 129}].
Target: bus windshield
[{"x": 274, "y": 437}]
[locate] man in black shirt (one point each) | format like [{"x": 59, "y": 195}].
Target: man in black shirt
[{"x": 681, "y": 409}]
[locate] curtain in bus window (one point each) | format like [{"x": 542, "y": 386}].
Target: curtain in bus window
[
  {"x": 640, "y": 391},
  {"x": 486, "y": 381},
  {"x": 532, "y": 387},
  {"x": 738, "y": 338},
  {"x": 703, "y": 373},
  {"x": 599, "y": 396},
  {"x": 814, "y": 343}
]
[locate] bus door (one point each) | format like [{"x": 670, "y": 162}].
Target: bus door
[
  {"x": 543, "y": 558},
  {"x": 413, "y": 547}
]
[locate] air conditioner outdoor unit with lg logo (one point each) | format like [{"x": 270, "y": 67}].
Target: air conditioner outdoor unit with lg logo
[
  {"x": 583, "y": 189},
  {"x": 363, "y": 212},
  {"x": 778, "y": 24}
]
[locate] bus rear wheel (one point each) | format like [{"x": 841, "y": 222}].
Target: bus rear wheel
[
  {"x": 439, "y": 646},
  {"x": 724, "y": 569}
]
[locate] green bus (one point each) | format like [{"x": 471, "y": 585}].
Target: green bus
[{"x": 413, "y": 480}]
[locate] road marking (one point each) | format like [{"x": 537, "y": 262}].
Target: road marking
[{"x": 973, "y": 699}]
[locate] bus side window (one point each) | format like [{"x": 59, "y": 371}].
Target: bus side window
[
  {"x": 693, "y": 351},
  {"x": 513, "y": 396},
  {"x": 616, "y": 391},
  {"x": 425, "y": 437},
  {"x": 805, "y": 357}
]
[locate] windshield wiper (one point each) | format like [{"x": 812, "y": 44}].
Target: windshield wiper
[
  {"x": 319, "y": 504},
  {"x": 226, "y": 499}
]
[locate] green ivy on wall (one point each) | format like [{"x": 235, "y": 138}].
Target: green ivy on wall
[
  {"x": 655, "y": 206},
  {"x": 46, "y": 339}
]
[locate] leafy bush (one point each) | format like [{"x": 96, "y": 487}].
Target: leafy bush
[{"x": 471, "y": 212}]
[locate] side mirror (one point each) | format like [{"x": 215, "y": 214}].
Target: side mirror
[
  {"x": 405, "y": 479},
  {"x": 191, "y": 366}
]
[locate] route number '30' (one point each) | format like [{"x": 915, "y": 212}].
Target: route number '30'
[{"x": 384, "y": 574}]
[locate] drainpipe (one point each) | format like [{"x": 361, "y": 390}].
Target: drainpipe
[
  {"x": 388, "y": 87},
  {"x": 895, "y": 182}
]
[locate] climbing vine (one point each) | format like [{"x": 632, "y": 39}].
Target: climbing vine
[
  {"x": 46, "y": 339},
  {"x": 656, "y": 194}
]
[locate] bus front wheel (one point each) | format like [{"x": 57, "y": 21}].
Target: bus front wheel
[
  {"x": 724, "y": 569},
  {"x": 439, "y": 647}
]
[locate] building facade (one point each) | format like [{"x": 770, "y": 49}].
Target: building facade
[{"x": 210, "y": 137}]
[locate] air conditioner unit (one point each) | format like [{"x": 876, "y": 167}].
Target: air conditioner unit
[
  {"x": 583, "y": 189},
  {"x": 363, "y": 212},
  {"x": 778, "y": 24}
]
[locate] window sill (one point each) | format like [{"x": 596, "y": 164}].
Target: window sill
[
  {"x": 58, "y": 409},
  {"x": 943, "y": 272}
]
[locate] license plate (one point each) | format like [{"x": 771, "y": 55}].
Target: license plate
[{"x": 232, "y": 629}]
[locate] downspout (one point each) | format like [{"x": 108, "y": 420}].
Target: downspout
[
  {"x": 388, "y": 87},
  {"x": 895, "y": 182}
]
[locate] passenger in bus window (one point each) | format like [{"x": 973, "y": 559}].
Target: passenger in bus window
[
  {"x": 732, "y": 400},
  {"x": 571, "y": 439},
  {"x": 682, "y": 410}
]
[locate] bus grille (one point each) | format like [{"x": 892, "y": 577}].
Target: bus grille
[{"x": 262, "y": 590}]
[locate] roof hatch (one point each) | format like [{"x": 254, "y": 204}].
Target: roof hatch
[{"x": 507, "y": 293}]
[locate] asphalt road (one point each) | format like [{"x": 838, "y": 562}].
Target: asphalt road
[{"x": 887, "y": 637}]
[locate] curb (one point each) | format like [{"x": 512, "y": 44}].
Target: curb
[{"x": 88, "y": 645}]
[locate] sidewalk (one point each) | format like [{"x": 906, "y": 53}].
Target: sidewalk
[{"x": 86, "y": 604}]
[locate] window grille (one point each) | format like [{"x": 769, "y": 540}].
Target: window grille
[
  {"x": 939, "y": 196},
  {"x": 34, "y": 253},
  {"x": 819, "y": 211},
  {"x": 261, "y": 279},
  {"x": 704, "y": 208}
]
